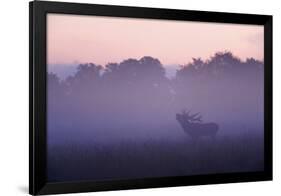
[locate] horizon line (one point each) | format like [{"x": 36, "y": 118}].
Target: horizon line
[{"x": 77, "y": 62}]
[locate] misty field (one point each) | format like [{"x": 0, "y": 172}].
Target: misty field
[
  {"x": 129, "y": 120},
  {"x": 155, "y": 158}
]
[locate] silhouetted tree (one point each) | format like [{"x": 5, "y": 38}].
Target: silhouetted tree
[
  {"x": 86, "y": 79},
  {"x": 222, "y": 64},
  {"x": 55, "y": 86}
]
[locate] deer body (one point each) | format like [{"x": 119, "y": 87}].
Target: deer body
[{"x": 195, "y": 129}]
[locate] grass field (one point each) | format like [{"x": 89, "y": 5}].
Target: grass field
[{"x": 154, "y": 158}]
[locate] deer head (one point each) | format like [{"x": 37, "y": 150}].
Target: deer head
[
  {"x": 188, "y": 118},
  {"x": 193, "y": 126}
]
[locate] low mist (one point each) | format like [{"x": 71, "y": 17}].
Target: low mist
[{"x": 102, "y": 111}]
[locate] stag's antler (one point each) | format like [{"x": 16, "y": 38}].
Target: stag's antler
[
  {"x": 199, "y": 118},
  {"x": 185, "y": 113},
  {"x": 193, "y": 117}
]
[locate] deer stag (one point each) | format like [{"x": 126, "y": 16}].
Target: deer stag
[{"x": 193, "y": 126}]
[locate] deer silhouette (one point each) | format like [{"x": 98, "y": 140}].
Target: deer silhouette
[{"x": 193, "y": 126}]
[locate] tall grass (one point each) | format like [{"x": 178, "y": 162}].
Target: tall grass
[{"x": 154, "y": 158}]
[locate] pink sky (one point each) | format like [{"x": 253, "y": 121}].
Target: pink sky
[{"x": 80, "y": 39}]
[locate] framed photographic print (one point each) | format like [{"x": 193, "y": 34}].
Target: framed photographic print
[{"x": 130, "y": 97}]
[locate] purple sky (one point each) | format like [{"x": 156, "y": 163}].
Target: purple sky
[{"x": 80, "y": 39}]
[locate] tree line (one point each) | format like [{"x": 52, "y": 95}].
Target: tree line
[{"x": 140, "y": 90}]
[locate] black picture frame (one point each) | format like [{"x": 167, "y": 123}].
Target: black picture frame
[{"x": 37, "y": 96}]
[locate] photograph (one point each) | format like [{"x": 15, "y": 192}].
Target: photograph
[
  {"x": 139, "y": 98},
  {"x": 142, "y": 98}
]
